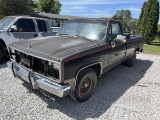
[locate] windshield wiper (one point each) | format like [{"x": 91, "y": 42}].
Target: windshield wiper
[{"x": 63, "y": 34}]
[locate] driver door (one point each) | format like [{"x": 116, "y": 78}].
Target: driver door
[{"x": 118, "y": 50}]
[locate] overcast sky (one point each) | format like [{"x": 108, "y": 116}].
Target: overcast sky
[{"x": 100, "y": 8}]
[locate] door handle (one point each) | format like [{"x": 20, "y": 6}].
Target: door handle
[{"x": 35, "y": 35}]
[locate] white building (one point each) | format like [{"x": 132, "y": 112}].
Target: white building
[{"x": 55, "y": 20}]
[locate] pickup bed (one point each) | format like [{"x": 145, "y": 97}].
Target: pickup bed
[
  {"x": 69, "y": 63},
  {"x": 15, "y": 28}
]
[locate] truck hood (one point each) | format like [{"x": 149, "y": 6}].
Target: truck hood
[{"x": 53, "y": 48}]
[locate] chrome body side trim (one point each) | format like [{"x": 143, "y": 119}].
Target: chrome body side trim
[{"x": 89, "y": 66}]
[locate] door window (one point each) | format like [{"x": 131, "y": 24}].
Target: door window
[
  {"x": 25, "y": 25},
  {"x": 115, "y": 30}
]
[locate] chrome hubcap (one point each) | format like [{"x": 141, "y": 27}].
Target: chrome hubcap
[{"x": 85, "y": 86}]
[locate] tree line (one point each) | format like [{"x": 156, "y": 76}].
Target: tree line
[{"x": 14, "y": 7}]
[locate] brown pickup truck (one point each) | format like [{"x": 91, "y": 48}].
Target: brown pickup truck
[{"x": 70, "y": 62}]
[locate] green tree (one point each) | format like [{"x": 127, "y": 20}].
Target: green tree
[
  {"x": 159, "y": 27},
  {"x": 139, "y": 25},
  {"x": 133, "y": 25},
  {"x": 125, "y": 17},
  {"x": 50, "y": 6},
  {"x": 148, "y": 22},
  {"x": 14, "y": 7}
]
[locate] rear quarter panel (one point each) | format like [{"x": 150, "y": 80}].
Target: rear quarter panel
[{"x": 133, "y": 44}]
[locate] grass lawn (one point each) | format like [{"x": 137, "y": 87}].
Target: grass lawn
[{"x": 154, "y": 48}]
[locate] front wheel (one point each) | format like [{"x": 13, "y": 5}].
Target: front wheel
[{"x": 85, "y": 85}]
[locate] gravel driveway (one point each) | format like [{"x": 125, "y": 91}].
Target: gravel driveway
[{"x": 123, "y": 93}]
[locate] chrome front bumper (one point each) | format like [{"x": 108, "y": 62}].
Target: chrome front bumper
[{"x": 38, "y": 81}]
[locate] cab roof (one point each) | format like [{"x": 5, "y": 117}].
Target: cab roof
[
  {"x": 96, "y": 19},
  {"x": 25, "y": 17}
]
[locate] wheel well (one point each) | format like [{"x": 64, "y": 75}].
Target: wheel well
[
  {"x": 2, "y": 44},
  {"x": 96, "y": 68},
  {"x": 137, "y": 49}
]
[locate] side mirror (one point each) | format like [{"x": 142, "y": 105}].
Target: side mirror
[
  {"x": 127, "y": 35},
  {"x": 121, "y": 38},
  {"x": 13, "y": 28}
]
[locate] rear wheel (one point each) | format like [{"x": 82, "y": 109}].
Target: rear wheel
[
  {"x": 130, "y": 62},
  {"x": 85, "y": 86}
]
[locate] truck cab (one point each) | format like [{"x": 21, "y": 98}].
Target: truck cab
[{"x": 15, "y": 28}]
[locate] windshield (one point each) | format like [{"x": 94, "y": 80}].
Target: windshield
[
  {"x": 5, "y": 22},
  {"x": 89, "y": 29}
]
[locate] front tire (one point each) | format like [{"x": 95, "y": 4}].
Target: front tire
[{"x": 85, "y": 85}]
